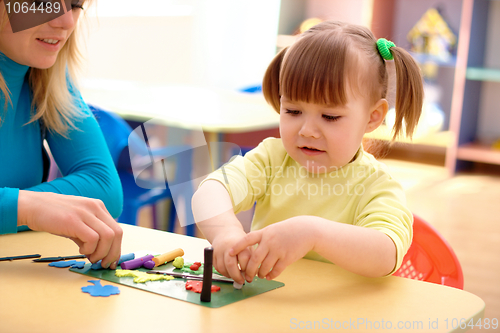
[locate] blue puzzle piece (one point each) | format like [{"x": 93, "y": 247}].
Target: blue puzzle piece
[
  {"x": 98, "y": 290},
  {"x": 68, "y": 263}
]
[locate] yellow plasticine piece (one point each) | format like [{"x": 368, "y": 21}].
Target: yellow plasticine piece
[
  {"x": 142, "y": 277},
  {"x": 124, "y": 273},
  {"x": 178, "y": 262}
]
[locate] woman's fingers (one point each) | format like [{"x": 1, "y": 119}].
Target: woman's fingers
[
  {"x": 108, "y": 247},
  {"x": 86, "y": 221}
]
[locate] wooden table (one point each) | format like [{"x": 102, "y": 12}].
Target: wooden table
[{"x": 38, "y": 298}]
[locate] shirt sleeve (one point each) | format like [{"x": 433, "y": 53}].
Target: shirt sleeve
[
  {"x": 85, "y": 163},
  {"x": 246, "y": 177},
  {"x": 383, "y": 207},
  {"x": 8, "y": 210}
]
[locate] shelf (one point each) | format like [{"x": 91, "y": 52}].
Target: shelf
[
  {"x": 483, "y": 74},
  {"x": 477, "y": 152},
  {"x": 439, "y": 139}
]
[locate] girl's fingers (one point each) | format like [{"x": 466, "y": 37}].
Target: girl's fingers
[
  {"x": 267, "y": 265},
  {"x": 255, "y": 261},
  {"x": 278, "y": 268},
  {"x": 220, "y": 266},
  {"x": 243, "y": 258},
  {"x": 232, "y": 268},
  {"x": 250, "y": 239}
]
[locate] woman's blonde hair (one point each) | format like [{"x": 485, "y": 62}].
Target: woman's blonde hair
[
  {"x": 52, "y": 99},
  {"x": 332, "y": 57}
]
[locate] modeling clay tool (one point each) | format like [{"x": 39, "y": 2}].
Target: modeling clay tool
[
  {"x": 166, "y": 257},
  {"x": 190, "y": 276},
  {"x": 51, "y": 259},
  {"x": 206, "y": 291},
  {"x": 123, "y": 258},
  {"x": 136, "y": 263},
  {"x": 29, "y": 256}
]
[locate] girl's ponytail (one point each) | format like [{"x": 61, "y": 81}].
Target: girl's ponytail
[
  {"x": 409, "y": 92},
  {"x": 409, "y": 87}
]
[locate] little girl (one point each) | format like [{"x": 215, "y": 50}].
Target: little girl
[{"x": 318, "y": 194}]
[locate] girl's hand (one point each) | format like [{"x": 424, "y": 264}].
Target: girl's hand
[
  {"x": 227, "y": 264},
  {"x": 83, "y": 220},
  {"x": 280, "y": 245}
]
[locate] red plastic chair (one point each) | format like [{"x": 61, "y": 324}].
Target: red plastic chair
[{"x": 430, "y": 258}]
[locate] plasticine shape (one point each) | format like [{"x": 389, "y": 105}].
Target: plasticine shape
[
  {"x": 142, "y": 277},
  {"x": 123, "y": 258},
  {"x": 178, "y": 262},
  {"x": 98, "y": 290},
  {"x": 68, "y": 263},
  {"x": 187, "y": 269},
  {"x": 196, "y": 286}
]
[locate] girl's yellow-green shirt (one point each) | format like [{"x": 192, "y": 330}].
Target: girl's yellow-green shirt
[{"x": 361, "y": 193}]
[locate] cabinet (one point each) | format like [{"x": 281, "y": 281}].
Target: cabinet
[{"x": 475, "y": 114}]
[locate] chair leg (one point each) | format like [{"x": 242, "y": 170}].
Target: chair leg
[
  {"x": 190, "y": 227},
  {"x": 155, "y": 220},
  {"x": 172, "y": 217}
]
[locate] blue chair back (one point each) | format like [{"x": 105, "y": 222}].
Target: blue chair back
[
  {"x": 140, "y": 192},
  {"x": 116, "y": 131}
]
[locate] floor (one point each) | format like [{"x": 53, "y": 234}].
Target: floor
[{"x": 465, "y": 209}]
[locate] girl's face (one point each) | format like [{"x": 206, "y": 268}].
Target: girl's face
[
  {"x": 38, "y": 47},
  {"x": 321, "y": 137}
]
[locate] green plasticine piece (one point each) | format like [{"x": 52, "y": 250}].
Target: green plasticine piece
[{"x": 188, "y": 270}]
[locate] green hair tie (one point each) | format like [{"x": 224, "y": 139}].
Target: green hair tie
[{"x": 384, "y": 46}]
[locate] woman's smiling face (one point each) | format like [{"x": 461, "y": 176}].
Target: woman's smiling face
[
  {"x": 322, "y": 138},
  {"x": 39, "y": 46}
]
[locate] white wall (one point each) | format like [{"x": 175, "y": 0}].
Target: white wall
[
  {"x": 221, "y": 43},
  {"x": 352, "y": 11},
  {"x": 147, "y": 49}
]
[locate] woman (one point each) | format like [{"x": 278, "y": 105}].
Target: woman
[{"x": 38, "y": 100}]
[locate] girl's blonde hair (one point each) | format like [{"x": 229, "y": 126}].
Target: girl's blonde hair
[
  {"x": 332, "y": 57},
  {"x": 52, "y": 100}
]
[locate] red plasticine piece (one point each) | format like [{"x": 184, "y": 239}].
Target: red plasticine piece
[
  {"x": 194, "y": 267},
  {"x": 196, "y": 286}
]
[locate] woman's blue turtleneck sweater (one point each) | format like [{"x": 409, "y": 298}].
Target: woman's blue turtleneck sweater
[{"x": 83, "y": 158}]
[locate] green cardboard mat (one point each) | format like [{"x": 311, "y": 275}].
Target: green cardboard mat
[{"x": 176, "y": 288}]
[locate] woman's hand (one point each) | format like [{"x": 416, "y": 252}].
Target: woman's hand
[
  {"x": 280, "y": 245},
  {"x": 83, "y": 220}
]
